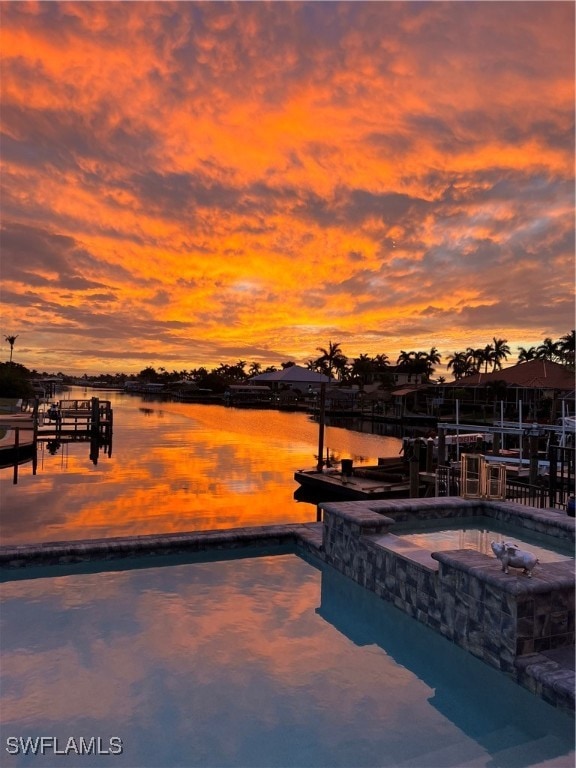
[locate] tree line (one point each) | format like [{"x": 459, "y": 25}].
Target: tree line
[
  {"x": 331, "y": 361},
  {"x": 366, "y": 369},
  {"x": 491, "y": 356}
]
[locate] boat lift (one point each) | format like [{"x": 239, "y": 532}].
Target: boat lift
[{"x": 563, "y": 433}]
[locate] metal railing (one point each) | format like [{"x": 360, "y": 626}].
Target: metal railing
[
  {"x": 530, "y": 495},
  {"x": 552, "y": 491},
  {"x": 561, "y": 474}
]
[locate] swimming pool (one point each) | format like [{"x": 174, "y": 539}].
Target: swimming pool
[
  {"x": 477, "y": 533},
  {"x": 268, "y": 661}
]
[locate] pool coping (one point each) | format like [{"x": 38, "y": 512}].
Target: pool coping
[{"x": 119, "y": 547}]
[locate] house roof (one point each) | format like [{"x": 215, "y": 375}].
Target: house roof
[
  {"x": 534, "y": 374},
  {"x": 294, "y": 374},
  {"x": 406, "y": 391}
]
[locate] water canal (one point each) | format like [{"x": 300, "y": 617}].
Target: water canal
[
  {"x": 175, "y": 467},
  {"x": 256, "y": 661}
]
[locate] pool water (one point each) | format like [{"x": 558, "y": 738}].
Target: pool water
[
  {"x": 268, "y": 661},
  {"x": 477, "y": 533}
]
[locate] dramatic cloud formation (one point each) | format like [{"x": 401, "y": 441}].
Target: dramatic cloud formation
[{"x": 191, "y": 183}]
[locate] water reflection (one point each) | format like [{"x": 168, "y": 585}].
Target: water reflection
[
  {"x": 176, "y": 467},
  {"x": 264, "y": 661},
  {"x": 53, "y": 446},
  {"x": 485, "y": 706}
]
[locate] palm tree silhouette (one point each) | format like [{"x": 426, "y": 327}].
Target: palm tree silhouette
[
  {"x": 332, "y": 357},
  {"x": 11, "y": 340},
  {"x": 501, "y": 352},
  {"x": 362, "y": 369},
  {"x": 255, "y": 369},
  {"x": 433, "y": 358},
  {"x": 405, "y": 358},
  {"x": 566, "y": 346},
  {"x": 548, "y": 350},
  {"x": 524, "y": 355},
  {"x": 460, "y": 364}
]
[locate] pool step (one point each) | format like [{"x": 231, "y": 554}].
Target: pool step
[
  {"x": 546, "y": 752},
  {"x": 448, "y": 757}
]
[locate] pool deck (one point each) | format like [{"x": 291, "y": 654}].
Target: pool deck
[{"x": 550, "y": 670}]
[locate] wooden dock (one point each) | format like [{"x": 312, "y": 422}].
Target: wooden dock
[
  {"x": 77, "y": 418},
  {"x": 89, "y": 421}
]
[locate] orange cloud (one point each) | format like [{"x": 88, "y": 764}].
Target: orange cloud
[{"x": 266, "y": 176}]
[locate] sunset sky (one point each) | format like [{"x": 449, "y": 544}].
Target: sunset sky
[{"x": 191, "y": 183}]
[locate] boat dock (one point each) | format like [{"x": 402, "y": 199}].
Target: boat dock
[
  {"x": 68, "y": 421},
  {"x": 332, "y": 483},
  {"x": 76, "y": 418}
]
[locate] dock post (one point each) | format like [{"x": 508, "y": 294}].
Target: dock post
[
  {"x": 109, "y": 428},
  {"x": 16, "y": 453},
  {"x": 35, "y": 419},
  {"x": 415, "y": 471},
  {"x": 94, "y": 448},
  {"x": 552, "y": 474},
  {"x": 321, "y": 418},
  {"x": 533, "y": 475},
  {"x": 441, "y": 447},
  {"x": 95, "y": 416},
  {"x": 429, "y": 454},
  {"x": 496, "y": 444}
]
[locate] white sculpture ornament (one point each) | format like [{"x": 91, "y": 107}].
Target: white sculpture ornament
[{"x": 511, "y": 555}]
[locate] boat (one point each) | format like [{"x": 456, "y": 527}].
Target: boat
[
  {"x": 249, "y": 396},
  {"x": 333, "y": 485},
  {"x": 17, "y": 443},
  {"x": 390, "y": 479}
]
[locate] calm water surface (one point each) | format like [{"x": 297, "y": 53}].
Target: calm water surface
[
  {"x": 175, "y": 467},
  {"x": 253, "y": 663},
  {"x": 478, "y": 535}
]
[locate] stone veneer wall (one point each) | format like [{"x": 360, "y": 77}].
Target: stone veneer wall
[{"x": 462, "y": 594}]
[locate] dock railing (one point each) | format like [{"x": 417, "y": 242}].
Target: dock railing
[
  {"x": 551, "y": 492},
  {"x": 529, "y": 495}
]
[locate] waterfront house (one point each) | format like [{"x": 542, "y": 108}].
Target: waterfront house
[
  {"x": 292, "y": 377},
  {"x": 535, "y": 390}
]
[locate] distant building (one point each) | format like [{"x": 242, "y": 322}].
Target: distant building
[{"x": 293, "y": 377}]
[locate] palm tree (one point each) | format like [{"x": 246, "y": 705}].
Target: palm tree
[
  {"x": 341, "y": 367},
  {"x": 333, "y": 357},
  {"x": 566, "y": 346},
  {"x": 488, "y": 357},
  {"x": 11, "y": 340},
  {"x": 405, "y": 358},
  {"x": 460, "y": 363},
  {"x": 548, "y": 350},
  {"x": 319, "y": 365},
  {"x": 473, "y": 357},
  {"x": 524, "y": 355},
  {"x": 420, "y": 362},
  {"x": 433, "y": 358},
  {"x": 362, "y": 368},
  {"x": 501, "y": 352},
  {"x": 255, "y": 369},
  {"x": 381, "y": 362}
]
